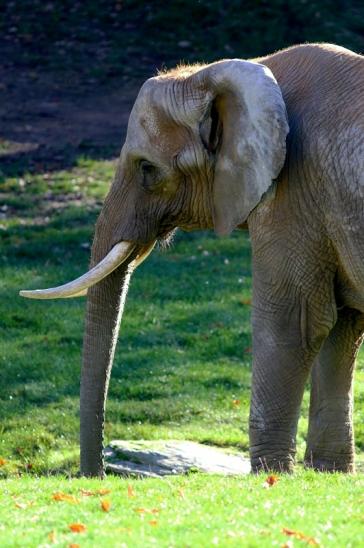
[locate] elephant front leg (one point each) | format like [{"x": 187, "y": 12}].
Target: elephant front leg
[
  {"x": 284, "y": 348},
  {"x": 330, "y": 443},
  {"x": 294, "y": 310},
  {"x": 279, "y": 376}
]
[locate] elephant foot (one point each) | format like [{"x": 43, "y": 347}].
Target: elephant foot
[
  {"x": 330, "y": 463},
  {"x": 99, "y": 474},
  {"x": 92, "y": 465},
  {"x": 272, "y": 464},
  {"x": 272, "y": 450},
  {"x": 277, "y": 456}
]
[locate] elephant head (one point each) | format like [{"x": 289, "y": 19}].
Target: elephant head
[{"x": 203, "y": 145}]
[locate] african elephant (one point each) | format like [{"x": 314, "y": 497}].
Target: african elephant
[{"x": 277, "y": 143}]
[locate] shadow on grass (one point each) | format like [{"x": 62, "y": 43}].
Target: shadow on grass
[{"x": 165, "y": 327}]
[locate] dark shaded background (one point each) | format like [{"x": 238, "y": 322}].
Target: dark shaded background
[{"x": 70, "y": 71}]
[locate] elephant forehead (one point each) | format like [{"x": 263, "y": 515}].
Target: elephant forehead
[
  {"x": 144, "y": 125},
  {"x": 150, "y": 129},
  {"x": 147, "y": 114},
  {"x": 145, "y": 134}
]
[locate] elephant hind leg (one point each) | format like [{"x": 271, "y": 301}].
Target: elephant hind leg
[{"x": 330, "y": 442}]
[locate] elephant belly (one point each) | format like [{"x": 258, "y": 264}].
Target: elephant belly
[
  {"x": 350, "y": 275},
  {"x": 350, "y": 297}
]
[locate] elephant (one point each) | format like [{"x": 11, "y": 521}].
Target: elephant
[{"x": 274, "y": 144}]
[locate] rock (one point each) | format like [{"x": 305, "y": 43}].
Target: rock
[{"x": 163, "y": 458}]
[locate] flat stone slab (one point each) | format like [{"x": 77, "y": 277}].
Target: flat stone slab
[{"x": 163, "y": 458}]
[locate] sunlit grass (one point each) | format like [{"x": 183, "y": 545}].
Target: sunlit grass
[{"x": 307, "y": 509}]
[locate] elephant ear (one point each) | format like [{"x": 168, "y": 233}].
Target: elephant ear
[{"x": 244, "y": 127}]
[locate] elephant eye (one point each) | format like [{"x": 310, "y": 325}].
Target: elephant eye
[{"x": 149, "y": 174}]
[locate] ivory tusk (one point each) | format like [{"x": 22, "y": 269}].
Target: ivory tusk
[
  {"x": 140, "y": 258},
  {"x": 77, "y": 288}
]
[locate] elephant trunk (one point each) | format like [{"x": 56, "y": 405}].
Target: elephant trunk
[{"x": 105, "y": 303}]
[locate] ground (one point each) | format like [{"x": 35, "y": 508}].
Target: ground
[{"x": 48, "y": 121}]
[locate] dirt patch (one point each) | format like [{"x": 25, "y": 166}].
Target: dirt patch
[
  {"x": 70, "y": 70},
  {"x": 46, "y": 124},
  {"x": 68, "y": 80}
]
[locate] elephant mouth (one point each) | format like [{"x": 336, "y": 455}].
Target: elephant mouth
[{"x": 118, "y": 255}]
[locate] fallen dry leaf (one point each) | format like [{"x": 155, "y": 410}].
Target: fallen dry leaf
[
  {"x": 103, "y": 492},
  {"x": 300, "y": 536},
  {"x": 21, "y": 505},
  {"x": 63, "y": 497},
  {"x": 77, "y": 527},
  {"x": 248, "y": 350},
  {"x": 147, "y": 510},
  {"x": 34, "y": 518},
  {"x": 271, "y": 480},
  {"x": 105, "y": 505},
  {"x": 181, "y": 493},
  {"x": 52, "y": 537},
  {"x": 86, "y": 493},
  {"x": 73, "y": 545},
  {"x": 236, "y": 403},
  {"x": 153, "y": 522},
  {"x": 3, "y": 461},
  {"x": 131, "y": 492},
  {"x": 247, "y": 302}
]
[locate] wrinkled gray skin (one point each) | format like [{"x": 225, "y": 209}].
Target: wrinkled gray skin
[{"x": 206, "y": 148}]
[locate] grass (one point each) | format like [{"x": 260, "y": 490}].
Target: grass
[
  {"x": 304, "y": 510},
  {"x": 182, "y": 371}
]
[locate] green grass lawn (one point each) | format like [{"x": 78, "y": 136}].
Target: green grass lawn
[
  {"x": 307, "y": 509},
  {"x": 182, "y": 371}
]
